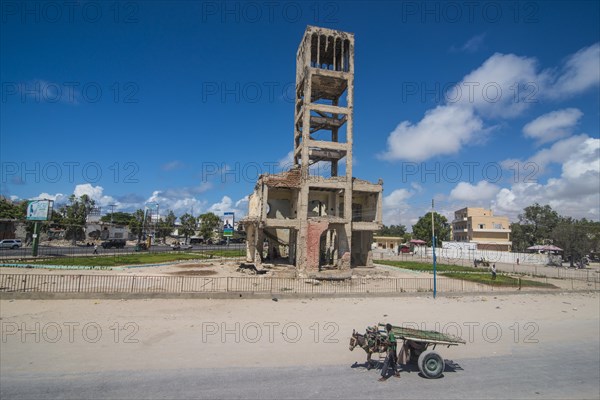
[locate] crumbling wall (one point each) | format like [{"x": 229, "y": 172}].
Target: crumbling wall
[
  {"x": 313, "y": 239},
  {"x": 254, "y": 205}
]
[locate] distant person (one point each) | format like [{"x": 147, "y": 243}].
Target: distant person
[
  {"x": 494, "y": 271},
  {"x": 391, "y": 358},
  {"x": 95, "y": 248},
  {"x": 517, "y": 261}
]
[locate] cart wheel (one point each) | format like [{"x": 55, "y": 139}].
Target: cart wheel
[{"x": 431, "y": 364}]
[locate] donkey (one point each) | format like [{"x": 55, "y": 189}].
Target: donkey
[{"x": 369, "y": 342}]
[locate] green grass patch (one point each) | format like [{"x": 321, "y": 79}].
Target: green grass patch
[
  {"x": 501, "y": 280},
  {"x": 125, "y": 259},
  {"x": 225, "y": 253},
  {"x": 137, "y": 258},
  {"x": 417, "y": 266}
]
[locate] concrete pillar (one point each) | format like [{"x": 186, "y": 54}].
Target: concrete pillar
[
  {"x": 314, "y": 231},
  {"x": 250, "y": 243}
]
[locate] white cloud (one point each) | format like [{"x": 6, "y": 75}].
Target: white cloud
[
  {"x": 585, "y": 160},
  {"x": 225, "y": 205},
  {"x": 240, "y": 207},
  {"x": 553, "y": 125},
  {"x": 557, "y": 153},
  {"x": 172, "y": 165},
  {"x": 180, "y": 201},
  {"x": 443, "y": 130},
  {"x": 397, "y": 198},
  {"x": 504, "y": 86},
  {"x": 482, "y": 191},
  {"x": 57, "y": 197},
  {"x": 243, "y": 202},
  {"x": 286, "y": 162},
  {"x": 473, "y": 44},
  {"x": 418, "y": 188},
  {"x": 575, "y": 193},
  {"x": 396, "y": 210},
  {"x": 580, "y": 72},
  {"x": 96, "y": 193},
  {"x": 495, "y": 88}
]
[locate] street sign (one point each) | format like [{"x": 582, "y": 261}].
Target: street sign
[
  {"x": 228, "y": 222},
  {"x": 39, "y": 210}
]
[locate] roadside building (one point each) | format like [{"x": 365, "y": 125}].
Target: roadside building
[
  {"x": 482, "y": 227},
  {"x": 389, "y": 243},
  {"x": 13, "y": 229},
  {"x": 106, "y": 230}
]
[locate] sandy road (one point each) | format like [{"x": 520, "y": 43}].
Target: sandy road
[{"x": 59, "y": 338}]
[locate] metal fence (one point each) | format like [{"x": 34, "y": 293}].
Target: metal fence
[
  {"x": 81, "y": 283},
  {"x": 587, "y": 274}
]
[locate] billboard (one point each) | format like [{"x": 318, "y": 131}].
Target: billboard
[
  {"x": 228, "y": 222},
  {"x": 39, "y": 210}
]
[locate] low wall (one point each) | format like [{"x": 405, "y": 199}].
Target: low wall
[{"x": 454, "y": 255}]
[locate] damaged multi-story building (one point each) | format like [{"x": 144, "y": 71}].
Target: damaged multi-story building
[{"x": 316, "y": 216}]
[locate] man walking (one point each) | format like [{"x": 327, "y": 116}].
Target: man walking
[
  {"x": 494, "y": 271},
  {"x": 391, "y": 357}
]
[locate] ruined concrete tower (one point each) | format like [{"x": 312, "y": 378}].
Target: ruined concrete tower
[{"x": 317, "y": 215}]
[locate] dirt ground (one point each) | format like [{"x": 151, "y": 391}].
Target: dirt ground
[
  {"x": 210, "y": 268},
  {"x": 72, "y": 336}
]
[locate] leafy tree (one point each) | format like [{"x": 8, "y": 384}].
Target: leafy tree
[
  {"x": 592, "y": 230},
  {"x": 518, "y": 237},
  {"x": 188, "y": 225},
  {"x": 57, "y": 219},
  {"x": 422, "y": 229},
  {"x": 535, "y": 226},
  {"x": 118, "y": 218},
  {"x": 392, "y": 230},
  {"x": 166, "y": 226},
  {"x": 571, "y": 236},
  {"x": 74, "y": 216},
  {"x": 136, "y": 224},
  {"x": 208, "y": 223},
  {"x": 18, "y": 211},
  {"x": 11, "y": 210}
]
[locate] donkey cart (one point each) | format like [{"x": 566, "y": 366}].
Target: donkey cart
[{"x": 417, "y": 347}]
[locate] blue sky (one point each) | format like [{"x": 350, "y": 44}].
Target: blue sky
[{"x": 492, "y": 104}]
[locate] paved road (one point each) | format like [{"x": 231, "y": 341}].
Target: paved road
[{"x": 569, "y": 371}]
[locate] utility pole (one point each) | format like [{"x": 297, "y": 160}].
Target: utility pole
[
  {"x": 112, "y": 211},
  {"x": 152, "y": 227},
  {"x": 157, "y": 219},
  {"x": 433, "y": 249},
  {"x": 36, "y": 238}
]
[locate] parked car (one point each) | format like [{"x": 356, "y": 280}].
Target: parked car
[
  {"x": 116, "y": 243},
  {"x": 10, "y": 243},
  {"x": 403, "y": 249},
  {"x": 181, "y": 246}
]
